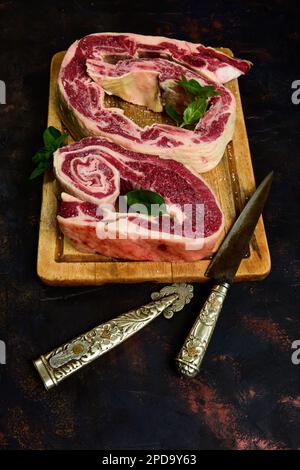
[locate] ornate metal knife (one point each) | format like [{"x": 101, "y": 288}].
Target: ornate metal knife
[
  {"x": 222, "y": 269},
  {"x": 63, "y": 361}
]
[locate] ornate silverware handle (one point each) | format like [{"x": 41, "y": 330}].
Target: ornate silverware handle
[
  {"x": 192, "y": 353},
  {"x": 60, "y": 363},
  {"x": 63, "y": 361}
]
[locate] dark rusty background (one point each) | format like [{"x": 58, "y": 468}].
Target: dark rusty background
[{"x": 248, "y": 393}]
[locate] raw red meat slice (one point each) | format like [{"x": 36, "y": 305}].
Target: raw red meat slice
[
  {"x": 96, "y": 171},
  {"x": 148, "y": 64}
]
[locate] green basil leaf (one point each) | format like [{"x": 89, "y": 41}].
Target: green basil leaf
[
  {"x": 191, "y": 86},
  {"x": 173, "y": 114},
  {"x": 59, "y": 141},
  {"x": 194, "y": 112},
  {"x": 208, "y": 91},
  {"x": 40, "y": 169},
  {"x": 53, "y": 139},
  {"x": 194, "y": 88},
  {"x": 41, "y": 155},
  {"x": 196, "y": 108},
  {"x": 50, "y": 135},
  {"x": 153, "y": 202}
]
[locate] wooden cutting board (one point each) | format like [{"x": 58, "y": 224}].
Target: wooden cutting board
[{"x": 232, "y": 180}]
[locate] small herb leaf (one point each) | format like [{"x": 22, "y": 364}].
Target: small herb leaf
[
  {"x": 153, "y": 202},
  {"x": 194, "y": 88},
  {"x": 199, "y": 99},
  {"x": 59, "y": 141},
  {"x": 191, "y": 86},
  {"x": 208, "y": 91},
  {"x": 50, "y": 135},
  {"x": 195, "y": 111},
  {"x": 41, "y": 168},
  {"x": 173, "y": 114},
  {"x": 53, "y": 139},
  {"x": 41, "y": 155}
]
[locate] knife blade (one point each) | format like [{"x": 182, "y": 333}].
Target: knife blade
[
  {"x": 227, "y": 259},
  {"x": 222, "y": 270}
]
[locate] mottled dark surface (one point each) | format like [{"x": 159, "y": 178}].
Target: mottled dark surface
[{"x": 248, "y": 393}]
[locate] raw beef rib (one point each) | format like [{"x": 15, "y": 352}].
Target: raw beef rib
[
  {"x": 138, "y": 69},
  {"x": 95, "y": 172}
]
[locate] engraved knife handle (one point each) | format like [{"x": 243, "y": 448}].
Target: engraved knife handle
[
  {"x": 63, "y": 361},
  {"x": 192, "y": 352},
  {"x": 60, "y": 363}
]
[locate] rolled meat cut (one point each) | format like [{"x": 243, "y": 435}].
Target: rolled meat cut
[
  {"x": 139, "y": 69},
  {"x": 95, "y": 172}
]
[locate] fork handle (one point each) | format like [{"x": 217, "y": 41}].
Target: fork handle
[{"x": 193, "y": 350}]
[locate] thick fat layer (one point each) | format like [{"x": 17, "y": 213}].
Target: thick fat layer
[
  {"x": 83, "y": 234},
  {"x": 210, "y": 63},
  {"x": 82, "y": 99}
]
